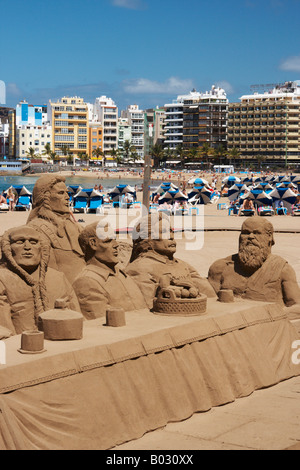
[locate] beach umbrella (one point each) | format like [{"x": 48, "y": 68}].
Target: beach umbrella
[
  {"x": 198, "y": 182},
  {"x": 73, "y": 189},
  {"x": 118, "y": 191},
  {"x": 286, "y": 184},
  {"x": 20, "y": 190},
  {"x": 200, "y": 195},
  {"x": 164, "y": 187},
  {"x": 267, "y": 187},
  {"x": 231, "y": 180},
  {"x": 247, "y": 180},
  {"x": 260, "y": 197},
  {"x": 286, "y": 195},
  {"x": 172, "y": 196},
  {"x": 295, "y": 179},
  {"x": 236, "y": 190},
  {"x": 88, "y": 193}
]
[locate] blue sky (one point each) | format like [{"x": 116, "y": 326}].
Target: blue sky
[{"x": 145, "y": 52}]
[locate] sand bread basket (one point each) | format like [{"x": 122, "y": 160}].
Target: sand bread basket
[{"x": 168, "y": 302}]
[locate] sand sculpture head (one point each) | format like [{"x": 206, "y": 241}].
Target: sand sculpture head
[
  {"x": 25, "y": 251},
  {"x": 255, "y": 243},
  {"x": 50, "y": 198},
  {"x": 154, "y": 233},
  {"x": 98, "y": 244}
]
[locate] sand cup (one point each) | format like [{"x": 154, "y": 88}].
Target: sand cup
[
  {"x": 32, "y": 342},
  {"x": 115, "y": 317},
  {"x": 226, "y": 295}
]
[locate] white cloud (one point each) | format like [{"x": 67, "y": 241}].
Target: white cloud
[
  {"x": 131, "y": 4},
  {"x": 291, "y": 63},
  {"x": 13, "y": 89},
  {"x": 171, "y": 85},
  {"x": 226, "y": 86}
]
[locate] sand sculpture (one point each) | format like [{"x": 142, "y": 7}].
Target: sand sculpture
[
  {"x": 51, "y": 215},
  {"x": 28, "y": 286},
  {"x": 153, "y": 252},
  {"x": 254, "y": 272},
  {"x": 102, "y": 284}
]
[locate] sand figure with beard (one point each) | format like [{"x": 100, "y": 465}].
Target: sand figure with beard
[{"x": 254, "y": 272}]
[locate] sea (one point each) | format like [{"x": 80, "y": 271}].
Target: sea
[{"x": 84, "y": 182}]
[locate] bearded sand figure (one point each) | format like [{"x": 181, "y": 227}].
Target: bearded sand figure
[
  {"x": 51, "y": 215},
  {"x": 28, "y": 286},
  {"x": 102, "y": 284},
  {"x": 154, "y": 248},
  {"x": 254, "y": 272}
]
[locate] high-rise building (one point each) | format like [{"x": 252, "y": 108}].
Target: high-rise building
[
  {"x": 205, "y": 119},
  {"x": 135, "y": 118},
  {"x": 95, "y": 140},
  {"x": 124, "y": 133},
  {"x": 154, "y": 127},
  {"x": 69, "y": 118},
  {"x": 267, "y": 125},
  {"x": 174, "y": 124},
  {"x": 106, "y": 112},
  {"x": 12, "y": 134}
]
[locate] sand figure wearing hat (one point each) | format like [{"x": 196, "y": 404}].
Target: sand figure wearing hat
[
  {"x": 102, "y": 284},
  {"x": 51, "y": 215},
  {"x": 28, "y": 286},
  {"x": 153, "y": 253},
  {"x": 254, "y": 272}
]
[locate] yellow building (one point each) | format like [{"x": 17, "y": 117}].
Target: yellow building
[
  {"x": 95, "y": 140},
  {"x": 69, "y": 118}
]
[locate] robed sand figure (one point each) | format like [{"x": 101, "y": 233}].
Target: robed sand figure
[
  {"x": 153, "y": 258},
  {"x": 28, "y": 286},
  {"x": 51, "y": 216},
  {"x": 254, "y": 272}
]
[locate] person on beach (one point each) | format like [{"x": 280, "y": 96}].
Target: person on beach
[
  {"x": 11, "y": 199},
  {"x": 254, "y": 272},
  {"x": 51, "y": 216}
]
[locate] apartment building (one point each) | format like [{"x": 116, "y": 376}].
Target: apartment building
[
  {"x": 205, "y": 119},
  {"x": 95, "y": 139},
  {"x": 35, "y": 137},
  {"x": 154, "y": 122},
  {"x": 4, "y": 138},
  {"x": 69, "y": 119},
  {"x": 12, "y": 134},
  {"x": 124, "y": 132},
  {"x": 30, "y": 115},
  {"x": 173, "y": 128},
  {"x": 106, "y": 112},
  {"x": 267, "y": 125},
  {"x": 135, "y": 118}
]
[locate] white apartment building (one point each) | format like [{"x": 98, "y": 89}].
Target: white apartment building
[
  {"x": 124, "y": 132},
  {"x": 106, "y": 112},
  {"x": 135, "y": 118},
  {"x": 173, "y": 129},
  {"x": 32, "y": 136}
]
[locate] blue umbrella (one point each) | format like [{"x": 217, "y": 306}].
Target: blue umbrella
[
  {"x": 259, "y": 197},
  {"x": 88, "y": 193},
  {"x": 286, "y": 195},
  {"x": 118, "y": 191},
  {"x": 172, "y": 196},
  {"x": 73, "y": 189},
  {"x": 200, "y": 196},
  {"x": 236, "y": 190},
  {"x": 20, "y": 190},
  {"x": 198, "y": 182},
  {"x": 231, "y": 180},
  {"x": 264, "y": 186}
]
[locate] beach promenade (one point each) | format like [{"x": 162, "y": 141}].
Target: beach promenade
[{"x": 266, "y": 420}]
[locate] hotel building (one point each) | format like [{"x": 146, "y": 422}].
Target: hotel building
[
  {"x": 267, "y": 125},
  {"x": 69, "y": 118},
  {"x": 135, "y": 117},
  {"x": 106, "y": 112}
]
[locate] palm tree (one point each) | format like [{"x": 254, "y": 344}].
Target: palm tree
[
  {"x": 192, "y": 153},
  {"x": 260, "y": 159},
  {"x": 47, "y": 151},
  {"x": 180, "y": 152},
  {"x": 53, "y": 156},
  {"x": 220, "y": 153},
  {"x": 31, "y": 153},
  {"x": 233, "y": 154},
  {"x": 83, "y": 156},
  {"x": 157, "y": 152},
  {"x": 65, "y": 150},
  {"x": 134, "y": 156},
  {"x": 206, "y": 151},
  {"x": 97, "y": 153},
  {"x": 126, "y": 148}
]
